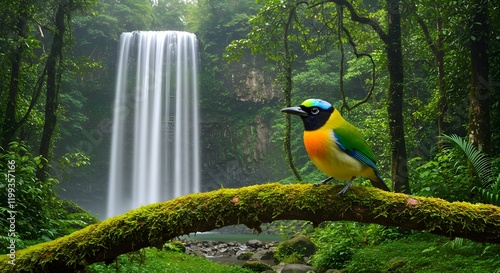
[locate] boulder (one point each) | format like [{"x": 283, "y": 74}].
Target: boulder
[
  {"x": 298, "y": 268},
  {"x": 244, "y": 255},
  {"x": 295, "y": 249},
  {"x": 256, "y": 266},
  {"x": 263, "y": 255},
  {"x": 254, "y": 243}
]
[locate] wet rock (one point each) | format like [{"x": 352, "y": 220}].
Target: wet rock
[
  {"x": 254, "y": 243},
  {"x": 298, "y": 268},
  {"x": 244, "y": 255},
  {"x": 295, "y": 249},
  {"x": 256, "y": 266},
  {"x": 263, "y": 255}
]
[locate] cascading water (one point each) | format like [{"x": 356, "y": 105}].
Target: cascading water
[{"x": 154, "y": 146}]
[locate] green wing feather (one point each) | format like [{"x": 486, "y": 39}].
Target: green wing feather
[{"x": 350, "y": 140}]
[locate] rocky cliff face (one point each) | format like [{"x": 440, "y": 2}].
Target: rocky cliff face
[
  {"x": 250, "y": 83},
  {"x": 257, "y": 143},
  {"x": 235, "y": 158},
  {"x": 238, "y": 151},
  {"x": 256, "y": 87}
]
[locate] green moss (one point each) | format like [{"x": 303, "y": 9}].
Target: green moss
[
  {"x": 245, "y": 256},
  {"x": 256, "y": 266},
  {"x": 295, "y": 249},
  {"x": 155, "y": 224},
  {"x": 175, "y": 246}
]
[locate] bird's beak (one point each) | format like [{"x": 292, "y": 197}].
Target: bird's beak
[{"x": 294, "y": 111}]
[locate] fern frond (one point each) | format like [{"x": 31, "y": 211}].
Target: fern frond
[{"x": 479, "y": 160}]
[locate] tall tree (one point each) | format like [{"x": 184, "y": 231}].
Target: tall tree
[
  {"x": 392, "y": 42},
  {"x": 399, "y": 168},
  {"x": 54, "y": 63},
  {"x": 20, "y": 45},
  {"x": 436, "y": 46},
  {"x": 10, "y": 122},
  {"x": 479, "y": 109},
  {"x": 64, "y": 10}
]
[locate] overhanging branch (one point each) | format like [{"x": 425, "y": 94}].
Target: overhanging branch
[
  {"x": 358, "y": 18},
  {"x": 154, "y": 224}
]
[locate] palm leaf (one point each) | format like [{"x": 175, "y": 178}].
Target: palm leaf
[{"x": 479, "y": 160}]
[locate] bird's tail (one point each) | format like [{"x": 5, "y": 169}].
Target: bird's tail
[{"x": 379, "y": 182}]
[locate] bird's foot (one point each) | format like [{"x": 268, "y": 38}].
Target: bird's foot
[
  {"x": 323, "y": 182},
  {"x": 347, "y": 186}
]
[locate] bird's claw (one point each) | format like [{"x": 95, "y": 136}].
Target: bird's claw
[
  {"x": 323, "y": 182},
  {"x": 343, "y": 190}
]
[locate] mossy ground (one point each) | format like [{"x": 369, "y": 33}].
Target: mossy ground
[
  {"x": 424, "y": 253},
  {"x": 152, "y": 260}
]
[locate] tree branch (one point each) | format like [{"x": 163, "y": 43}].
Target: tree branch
[
  {"x": 427, "y": 35},
  {"x": 372, "y": 85},
  {"x": 358, "y": 18},
  {"x": 154, "y": 224}
]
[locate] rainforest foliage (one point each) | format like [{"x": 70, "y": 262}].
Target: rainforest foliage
[{"x": 403, "y": 72}]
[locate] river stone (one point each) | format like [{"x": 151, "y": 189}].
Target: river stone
[
  {"x": 263, "y": 255},
  {"x": 244, "y": 255},
  {"x": 254, "y": 243},
  {"x": 256, "y": 266},
  {"x": 298, "y": 268},
  {"x": 298, "y": 245}
]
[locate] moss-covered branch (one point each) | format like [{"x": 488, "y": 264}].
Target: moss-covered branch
[{"x": 154, "y": 224}]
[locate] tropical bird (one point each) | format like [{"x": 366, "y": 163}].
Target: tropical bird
[{"x": 334, "y": 145}]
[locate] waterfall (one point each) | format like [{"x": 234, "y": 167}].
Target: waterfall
[{"x": 154, "y": 145}]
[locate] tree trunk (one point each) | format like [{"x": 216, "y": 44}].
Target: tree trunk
[
  {"x": 10, "y": 125},
  {"x": 53, "y": 81},
  {"x": 154, "y": 224},
  {"x": 443, "y": 97},
  {"x": 399, "y": 168},
  {"x": 438, "y": 52},
  {"x": 479, "y": 109}
]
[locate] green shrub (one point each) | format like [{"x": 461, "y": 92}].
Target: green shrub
[
  {"x": 445, "y": 176},
  {"x": 338, "y": 241},
  {"x": 34, "y": 201},
  {"x": 424, "y": 252},
  {"x": 333, "y": 256},
  {"x": 39, "y": 213}
]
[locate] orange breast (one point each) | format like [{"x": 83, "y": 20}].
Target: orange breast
[
  {"x": 330, "y": 159},
  {"x": 318, "y": 143}
]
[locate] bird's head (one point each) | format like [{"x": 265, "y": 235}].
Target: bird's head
[{"x": 314, "y": 113}]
